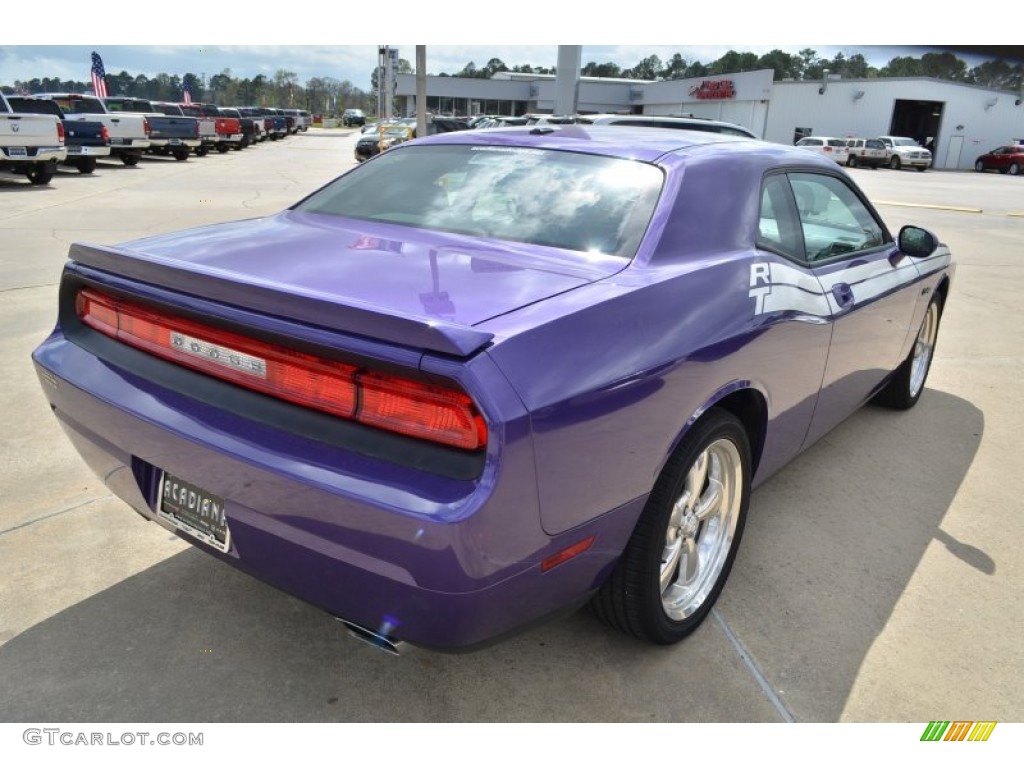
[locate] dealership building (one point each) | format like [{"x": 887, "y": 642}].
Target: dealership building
[{"x": 957, "y": 121}]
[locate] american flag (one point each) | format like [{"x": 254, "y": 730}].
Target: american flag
[
  {"x": 186, "y": 94},
  {"x": 99, "y": 77}
]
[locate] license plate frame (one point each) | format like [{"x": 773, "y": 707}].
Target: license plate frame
[
  {"x": 17, "y": 152},
  {"x": 194, "y": 510}
]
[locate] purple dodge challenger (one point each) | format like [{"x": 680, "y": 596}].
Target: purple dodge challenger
[{"x": 487, "y": 377}]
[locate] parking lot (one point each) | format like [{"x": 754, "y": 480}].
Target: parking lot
[{"x": 879, "y": 577}]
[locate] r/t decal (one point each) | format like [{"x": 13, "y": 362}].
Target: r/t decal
[{"x": 760, "y": 284}]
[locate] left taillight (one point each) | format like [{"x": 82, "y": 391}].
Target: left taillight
[
  {"x": 60, "y": 132},
  {"x": 440, "y": 414}
]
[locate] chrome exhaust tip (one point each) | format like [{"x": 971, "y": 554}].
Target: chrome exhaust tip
[{"x": 375, "y": 639}]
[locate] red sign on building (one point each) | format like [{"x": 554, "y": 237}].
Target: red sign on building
[{"x": 714, "y": 89}]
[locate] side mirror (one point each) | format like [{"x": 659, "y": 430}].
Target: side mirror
[{"x": 916, "y": 242}]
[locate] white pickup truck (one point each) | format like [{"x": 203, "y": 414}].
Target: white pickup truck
[
  {"x": 31, "y": 145},
  {"x": 129, "y": 134},
  {"x": 902, "y": 152}
]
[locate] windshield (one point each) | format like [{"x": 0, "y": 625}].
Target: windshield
[
  {"x": 905, "y": 143},
  {"x": 544, "y": 197}
]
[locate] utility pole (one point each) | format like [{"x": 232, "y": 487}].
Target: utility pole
[
  {"x": 421, "y": 90},
  {"x": 567, "y": 79}
]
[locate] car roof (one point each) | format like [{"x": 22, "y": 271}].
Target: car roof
[
  {"x": 669, "y": 121},
  {"x": 644, "y": 144}
]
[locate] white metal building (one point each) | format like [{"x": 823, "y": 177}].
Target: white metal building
[{"x": 958, "y": 122}]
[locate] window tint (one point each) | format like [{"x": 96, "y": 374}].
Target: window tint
[
  {"x": 833, "y": 219},
  {"x": 560, "y": 199},
  {"x": 778, "y": 228}
]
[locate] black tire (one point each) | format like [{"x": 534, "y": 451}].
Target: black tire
[
  {"x": 979, "y": 167},
  {"x": 202, "y": 151},
  {"x": 181, "y": 154},
  {"x": 922, "y": 168},
  {"x": 904, "y": 389},
  {"x": 1014, "y": 169},
  {"x": 648, "y": 595},
  {"x": 131, "y": 159},
  {"x": 894, "y": 162},
  {"x": 86, "y": 164},
  {"x": 851, "y": 161},
  {"x": 222, "y": 147},
  {"x": 41, "y": 173}
]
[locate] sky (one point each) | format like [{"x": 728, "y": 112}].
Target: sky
[{"x": 315, "y": 38}]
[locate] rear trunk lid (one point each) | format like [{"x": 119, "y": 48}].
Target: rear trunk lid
[{"x": 399, "y": 284}]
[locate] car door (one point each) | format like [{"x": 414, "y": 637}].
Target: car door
[
  {"x": 867, "y": 283},
  {"x": 1001, "y": 159}
]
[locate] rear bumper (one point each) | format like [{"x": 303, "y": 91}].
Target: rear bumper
[
  {"x": 122, "y": 143},
  {"x": 175, "y": 142},
  {"x": 88, "y": 151},
  {"x": 438, "y": 562},
  {"x": 33, "y": 155}
]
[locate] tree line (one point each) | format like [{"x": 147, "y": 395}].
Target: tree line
[
  {"x": 319, "y": 95},
  {"x": 805, "y": 65},
  {"x": 329, "y": 96}
]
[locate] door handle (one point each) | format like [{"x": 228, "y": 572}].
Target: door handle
[{"x": 844, "y": 295}]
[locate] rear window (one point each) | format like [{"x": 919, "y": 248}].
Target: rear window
[
  {"x": 836, "y": 143},
  {"x": 544, "y": 197}
]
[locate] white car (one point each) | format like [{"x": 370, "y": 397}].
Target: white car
[{"x": 829, "y": 146}]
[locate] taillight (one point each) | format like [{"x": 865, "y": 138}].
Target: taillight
[
  {"x": 60, "y": 132},
  {"x": 105, "y": 135},
  {"x": 443, "y": 415}
]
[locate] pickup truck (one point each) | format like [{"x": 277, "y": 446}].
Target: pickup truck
[
  {"x": 207, "y": 125},
  {"x": 867, "y": 152},
  {"x": 128, "y": 134},
  {"x": 86, "y": 140},
  {"x": 277, "y": 125},
  {"x": 168, "y": 134},
  {"x": 248, "y": 125},
  {"x": 30, "y": 144},
  {"x": 261, "y": 124},
  {"x": 904, "y": 152},
  {"x": 228, "y": 129}
]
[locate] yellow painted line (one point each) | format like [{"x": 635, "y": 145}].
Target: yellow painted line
[
  {"x": 1016, "y": 215},
  {"x": 935, "y": 207}
]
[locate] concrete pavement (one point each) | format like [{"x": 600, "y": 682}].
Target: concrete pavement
[{"x": 879, "y": 577}]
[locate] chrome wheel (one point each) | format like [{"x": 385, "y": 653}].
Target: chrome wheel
[
  {"x": 700, "y": 530},
  {"x": 923, "y": 348},
  {"x": 682, "y": 548}
]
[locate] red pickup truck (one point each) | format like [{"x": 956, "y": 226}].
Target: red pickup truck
[{"x": 227, "y": 130}]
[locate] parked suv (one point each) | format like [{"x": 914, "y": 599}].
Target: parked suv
[
  {"x": 868, "y": 152},
  {"x": 353, "y": 117},
  {"x": 667, "y": 121},
  {"x": 829, "y": 146}
]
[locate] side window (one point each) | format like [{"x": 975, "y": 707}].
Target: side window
[
  {"x": 833, "y": 219},
  {"x": 778, "y": 229}
]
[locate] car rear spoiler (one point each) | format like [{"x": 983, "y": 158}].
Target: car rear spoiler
[{"x": 354, "y": 317}]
